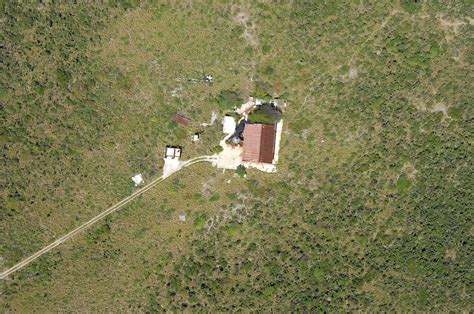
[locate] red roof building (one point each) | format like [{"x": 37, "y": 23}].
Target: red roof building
[
  {"x": 259, "y": 143},
  {"x": 181, "y": 119}
]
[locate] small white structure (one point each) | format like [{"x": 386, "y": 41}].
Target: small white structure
[
  {"x": 182, "y": 218},
  {"x": 172, "y": 162},
  {"x": 172, "y": 152},
  {"x": 137, "y": 179},
  {"x": 195, "y": 137},
  {"x": 228, "y": 125}
]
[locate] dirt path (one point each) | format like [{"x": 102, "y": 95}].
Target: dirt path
[
  {"x": 242, "y": 18},
  {"x": 108, "y": 211}
]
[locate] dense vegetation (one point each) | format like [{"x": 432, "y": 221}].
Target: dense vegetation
[
  {"x": 266, "y": 114},
  {"x": 228, "y": 100},
  {"x": 371, "y": 207}
]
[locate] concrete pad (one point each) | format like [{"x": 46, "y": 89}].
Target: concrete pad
[
  {"x": 230, "y": 157},
  {"x": 268, "y": 168},
  {"x": 171, "y": 165},
  {"x": 228, "y": 125},
  {"x": 279, "y": 131}
]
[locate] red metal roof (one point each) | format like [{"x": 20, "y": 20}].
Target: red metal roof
[
  {"x": 259, "y": 142},
  {"x": 181, "y": 119}
]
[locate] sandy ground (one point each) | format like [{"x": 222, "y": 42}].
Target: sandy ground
[
  {"x": 171, "y": 165},
  {"x": 230, "y": 157}
]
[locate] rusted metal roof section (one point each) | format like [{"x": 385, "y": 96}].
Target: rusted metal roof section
[
  {"x": 259, "y": 142},
  {"x": 181, "y": 119}
]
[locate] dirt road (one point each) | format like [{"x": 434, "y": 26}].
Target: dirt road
[{"x": 108, "y": 211}]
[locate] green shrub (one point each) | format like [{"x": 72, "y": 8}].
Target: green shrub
[
  {"x": 268, "y": 71},
  {"x": 199, "y": 222},
  {"x": 263, "y": 91},
  {"x": 411, "y": 6},
  {"x": 265, "y": 114},
  {"x": 217, "y": 149},
  {"x": 227, "y": 100},
  {"x": 402, "y": 184},
  {"x": 232, "y": 229},
  {"x": 317, "y": 273},
  {"x": 259, "y": 118},
  {"x": 214, "y": 197},
  {"x": 241, "y": 171},
  {"x": 300, "y": 124}
]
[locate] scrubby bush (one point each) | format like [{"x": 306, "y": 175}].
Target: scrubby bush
[
  {"x": 228, "y": 99},
  {"x": 217, "y": 149},
  {"x": 263, "y": 91},
  {"x": 241, "y": 171}
]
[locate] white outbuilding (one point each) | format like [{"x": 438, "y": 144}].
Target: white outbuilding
[
  {"x": 137, "y": 179},
  {"x": 228, "y": 125},
  {"x": 195, "y": 137}
]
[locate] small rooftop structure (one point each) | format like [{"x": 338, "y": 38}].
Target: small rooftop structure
[
  {"x": 228, "y": 125},
  {"x": 172, "y": 162},
  {"x": 236, "y": 138},
  {"x": 259, "y": 143},
  {"x": 181, "y": 119},
  {"x": 195, "y": 137},
  {"x": 137, "y": 179},
  {"x": 172, "y": 152}
]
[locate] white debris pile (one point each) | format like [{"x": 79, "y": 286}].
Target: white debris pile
[
  {"x": 251, "y": 103},
  {"x": 137, "y": 179},
  {"x": 182, "y": 218},
  {"x": 228, "y": 125}
]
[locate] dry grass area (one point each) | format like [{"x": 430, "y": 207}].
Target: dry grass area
[{"x": 122, "y": 258}]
